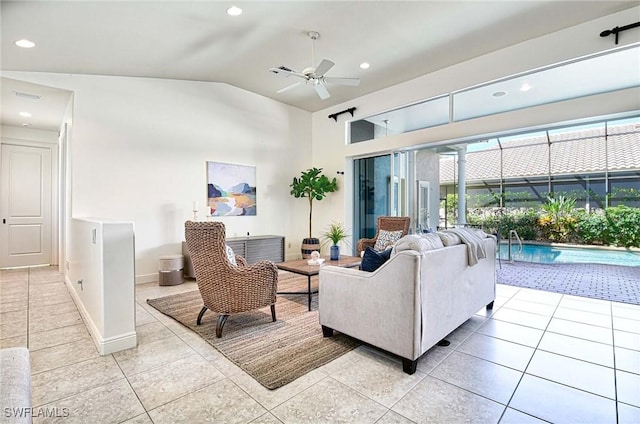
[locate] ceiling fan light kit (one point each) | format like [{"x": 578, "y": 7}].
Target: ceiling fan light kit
[{"x": 314, "y": 76}]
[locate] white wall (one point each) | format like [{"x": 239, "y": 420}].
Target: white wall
[
  {"x": 330, "y": 150},
  {"x": 139, "y": 147}
]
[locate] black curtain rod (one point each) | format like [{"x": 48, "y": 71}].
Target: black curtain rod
[
  {"x": 334, "y": 116},
  {"x": 618, "y": 30}
]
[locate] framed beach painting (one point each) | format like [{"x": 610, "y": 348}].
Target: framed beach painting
[{"x": 231, "y": 189}]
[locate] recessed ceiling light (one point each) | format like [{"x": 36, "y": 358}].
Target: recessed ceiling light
[
  {"x": 234, "y": 11},
  {"x": 364, "y": 65},
  {"x": 26, "y": 44},
  {"x": 25, "y": 114},
  {"x": 525, "y": 87},
  {"x": 499, "y": 93}
]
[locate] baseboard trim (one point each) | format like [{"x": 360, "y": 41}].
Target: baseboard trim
[
  {"x": 104, "y": 346},
  {"x": 118, "y": 343},
  {"x": 147, "y": 278}
]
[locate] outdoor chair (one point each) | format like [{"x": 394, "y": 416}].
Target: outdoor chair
[
  {"x": 227, "y": 288},
  {"x": 385, "y": 223}
]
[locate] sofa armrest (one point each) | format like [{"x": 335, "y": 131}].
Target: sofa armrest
[{"x": 381, "y": 308}]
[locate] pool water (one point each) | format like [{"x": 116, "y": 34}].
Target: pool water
[{"x": 553, "y": 254}]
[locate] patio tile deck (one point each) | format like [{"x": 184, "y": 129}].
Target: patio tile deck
[{"x": 607, "y": 282}]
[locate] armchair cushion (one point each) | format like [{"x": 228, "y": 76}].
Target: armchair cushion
[
  {"x": 230, "y": 255},
  {"x": 385, "y": 223},
  {"x": 372, "y": 259},
  {"x": 386, "y": 239}
]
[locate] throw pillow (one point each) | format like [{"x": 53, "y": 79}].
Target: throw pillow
[
  {"x": 386, "y": 239},
  {"x": 418, "y": 242},
  {"x": 432, "y": 241},
  {"x": 449, "y": 239},
  {"x": 230, "y": 255},
  {"x": 372, "y": 259}
]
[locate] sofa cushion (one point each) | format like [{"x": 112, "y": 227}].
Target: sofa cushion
[
  {"x": 386, "y": 239},
  {"x": 449, "y": 239},
  {"x": 418, "y": 242},
  {"x": 372, "y": 259}
]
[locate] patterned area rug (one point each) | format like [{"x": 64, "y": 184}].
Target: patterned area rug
[{"x": 274, "y": 353}]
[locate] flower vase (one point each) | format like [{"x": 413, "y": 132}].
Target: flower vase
[{"x": 335, "y": 252}]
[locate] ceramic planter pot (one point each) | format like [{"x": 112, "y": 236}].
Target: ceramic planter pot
[{"x": 308, "y": 246}]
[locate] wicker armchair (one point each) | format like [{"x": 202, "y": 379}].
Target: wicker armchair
[
  {"x": 227, "y": 289},
  {"x": 388, "y": 223}
]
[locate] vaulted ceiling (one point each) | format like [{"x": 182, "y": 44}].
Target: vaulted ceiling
[{"x": 198, "y": 40}]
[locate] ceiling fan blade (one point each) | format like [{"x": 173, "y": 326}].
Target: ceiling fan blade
[
  {"x": 286, "y": 72},
  {"x": 323, "y": 67},
  {"x": 282, "y": 90},
  {"x": 322, "y": 91},
  {"x": 353, "y": 82}
]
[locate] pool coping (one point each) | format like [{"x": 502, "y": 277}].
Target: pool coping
[{"x": 579, "y": 246}]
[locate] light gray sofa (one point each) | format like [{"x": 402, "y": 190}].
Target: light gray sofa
[
  {"x": 15, "y": 387},
  {"x": 412, "y": 301}
]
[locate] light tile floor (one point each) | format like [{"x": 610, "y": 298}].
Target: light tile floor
[{"x": 538, "y": 356}]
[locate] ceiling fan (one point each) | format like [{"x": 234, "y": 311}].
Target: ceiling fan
[{"x": 314, "y": 76}]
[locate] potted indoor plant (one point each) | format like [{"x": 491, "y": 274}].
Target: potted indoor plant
[
  {"x": 335, "y": 233},
  {"x": 314, "y": 185}
]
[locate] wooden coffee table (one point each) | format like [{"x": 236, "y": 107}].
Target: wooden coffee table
[{"x": 301, "y": 267}]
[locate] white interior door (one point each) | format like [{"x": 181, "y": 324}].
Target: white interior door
[{"x": 25, "y": 206}]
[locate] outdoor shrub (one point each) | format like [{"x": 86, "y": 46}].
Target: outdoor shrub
[
  {"x": 628, "y": 195},
  {"x": 623, "y": 225},
  {"x": 557, "y": 221},
  {"x": 450, "y": 205},
  {"x": 488, "y": 219},
  {"x": 524, "y": 221},
  {"x": 560, "y": 221},
  {"x": 591, "y": 228}
]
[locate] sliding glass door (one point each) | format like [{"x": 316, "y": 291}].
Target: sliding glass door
[{"x": 382, "y": 188}]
